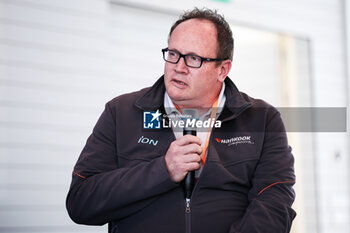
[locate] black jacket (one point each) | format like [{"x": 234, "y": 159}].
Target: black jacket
[{"x": 245, "y": 186}]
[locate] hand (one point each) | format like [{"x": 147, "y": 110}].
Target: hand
[{"x": 183, "y": 156}]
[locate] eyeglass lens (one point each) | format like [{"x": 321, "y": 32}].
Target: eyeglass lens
[{"x": 190, "y": 60}]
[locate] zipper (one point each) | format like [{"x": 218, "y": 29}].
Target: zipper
[
  {"x": 188, "y": 215},
  {"x": 188, "y": 206},
  {"x": 188, "y": 200}
]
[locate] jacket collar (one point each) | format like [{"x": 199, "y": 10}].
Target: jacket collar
[
  {"x": 153, "y": 98},
  {"x": 235, "y": 103}
]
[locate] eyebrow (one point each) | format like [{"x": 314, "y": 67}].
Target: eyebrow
[{"x": 190, "y": 53}]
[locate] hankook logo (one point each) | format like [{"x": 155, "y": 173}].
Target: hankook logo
[{"x": 235, "y": 140}]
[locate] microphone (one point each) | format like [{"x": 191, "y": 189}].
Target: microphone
[{"x": 190, "y": 177}]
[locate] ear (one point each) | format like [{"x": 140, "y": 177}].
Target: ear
[{"x": 224, "y": 69}]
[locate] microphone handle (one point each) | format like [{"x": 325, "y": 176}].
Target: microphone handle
[
  {"x": 189, "y": 184},
  {"x": 190, "y": 177}
]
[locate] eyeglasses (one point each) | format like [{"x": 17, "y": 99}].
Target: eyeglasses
[{"x": 191, "y": 60}]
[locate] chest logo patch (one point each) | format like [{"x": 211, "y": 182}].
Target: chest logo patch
[
  {"x": 235, "y": 141},
  {"x": 149, "y": 141}
]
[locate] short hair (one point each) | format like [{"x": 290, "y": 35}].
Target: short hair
[{"x": 224, "y": 33}]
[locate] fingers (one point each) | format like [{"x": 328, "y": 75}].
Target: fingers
[
  {"x": 191, "y": 149},
  {"x": 192, "y": 166},
  {"x": 187, "y": 144},
  {"x": 191, "y": 158},
  {"x": 183, "y": 156},
  {"x": 188, "y": 139}
]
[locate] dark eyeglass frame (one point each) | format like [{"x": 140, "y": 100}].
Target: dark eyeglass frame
[{"x": 185, "y": 55}]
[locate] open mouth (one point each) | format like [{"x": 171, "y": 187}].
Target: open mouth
[{"x": 179, "y": 82}]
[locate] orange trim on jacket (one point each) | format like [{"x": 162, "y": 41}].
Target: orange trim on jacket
[
  {"x": 280, "y": 182},
  {"x": 79, "y": 175}
]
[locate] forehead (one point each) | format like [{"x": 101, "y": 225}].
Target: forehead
[{"x": 195, "y": 35}]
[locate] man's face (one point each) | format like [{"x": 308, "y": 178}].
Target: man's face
[{"x": 193, "y": 87}]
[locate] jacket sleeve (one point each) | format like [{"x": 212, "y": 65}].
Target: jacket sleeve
[
  {"x": 272, "y": 194},
  {"x": 101, "y": 191}
]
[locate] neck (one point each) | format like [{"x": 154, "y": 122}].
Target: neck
[{"x": 202, "y": 107}]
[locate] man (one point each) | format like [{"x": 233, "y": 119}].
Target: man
[{"x": 132, "y": 177}]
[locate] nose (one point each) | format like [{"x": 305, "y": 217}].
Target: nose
[{"x": 181, "y": 66}]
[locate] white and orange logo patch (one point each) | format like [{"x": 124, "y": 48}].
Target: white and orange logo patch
[{"x": 235, "y": 140}]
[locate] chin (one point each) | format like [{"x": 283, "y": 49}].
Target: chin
[{"x": 175, "y": 96}]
